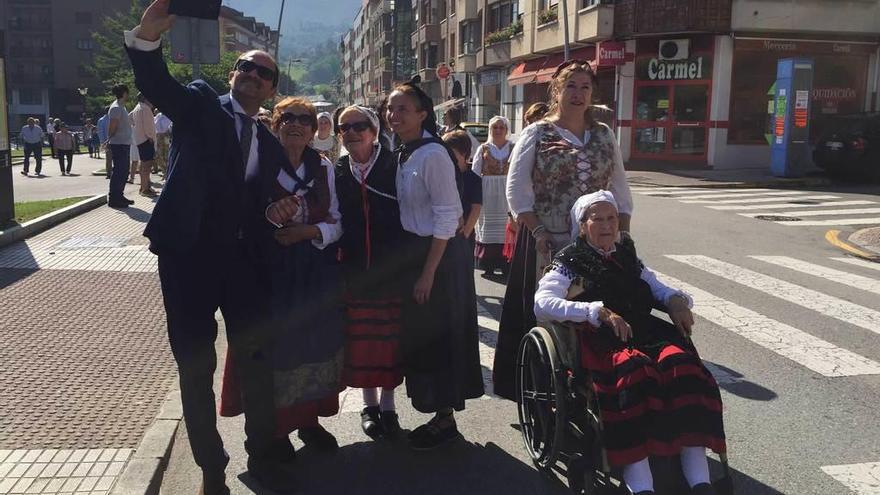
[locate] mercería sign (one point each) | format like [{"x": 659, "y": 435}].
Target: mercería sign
[{"x": 670, "y": 70}]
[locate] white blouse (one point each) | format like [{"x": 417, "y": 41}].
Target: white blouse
[
  {"x": 521, "y": 192},
  {"x": 497, "y": 153},
  {"x": 325, "y": 144},
  {"x": 428, "y": 196},
  {"x": 330, "y": 232},
  {"x": 551, "y": 303}
]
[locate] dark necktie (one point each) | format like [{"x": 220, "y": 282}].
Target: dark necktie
[{"x": 247, "y": 134}]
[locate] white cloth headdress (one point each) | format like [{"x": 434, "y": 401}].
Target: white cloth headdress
[
  {"x": 325, "y": 115},
  {"x": 371, "y": 115},
  {"x": 501, "y": 119},
  {"x": 584, "y": 203}
]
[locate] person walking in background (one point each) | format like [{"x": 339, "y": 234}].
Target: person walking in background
[
  {"x": 64, "y": 144},
  {"x": 32, "y": 137},
  {"x": 491, "y": 161},
  {"x": 101, "y": 134},
  {"x": 163, "y": 139},
  {"x": 144, "y": 139},
  {"x": 50, "y": 134},
  {"x": 119, "y": 139},
  {"x": 88, "y": 135}
]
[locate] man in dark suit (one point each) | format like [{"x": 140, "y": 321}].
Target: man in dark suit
[{"x": 215, "y": 246}]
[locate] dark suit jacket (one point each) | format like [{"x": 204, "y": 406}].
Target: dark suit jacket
[{"x": 206, "y": 197}]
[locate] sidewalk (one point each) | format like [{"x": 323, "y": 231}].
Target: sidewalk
[
  {"x": 85, "y": 360},
  {"x": 55, "y": 186},
  {"x": 728, "y": 178},
  {"x": 868, "y": 239}
]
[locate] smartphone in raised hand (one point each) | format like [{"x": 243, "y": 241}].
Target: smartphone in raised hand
[{"x": 202, "y": 9}]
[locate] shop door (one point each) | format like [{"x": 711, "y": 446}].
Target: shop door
[{"x": 671, "y": 121}]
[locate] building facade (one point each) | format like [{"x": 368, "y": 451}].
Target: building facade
[{"x": 240, "y": 33}]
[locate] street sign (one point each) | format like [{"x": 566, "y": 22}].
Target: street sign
[
  {"x": 195, "y": 41},
  {"x": 443, "y": 71}
]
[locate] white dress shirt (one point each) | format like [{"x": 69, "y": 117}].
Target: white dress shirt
[
  {"x": 551, "y": 303},
  {"x": 330, "y": 232},
  {"x": 143, "y": 127},
  {"x": 162, "y": 123},
  {"x": 520, "y": 189},
  {"x": 429, "y": 200},
  {"x": 497, "y": 153}
]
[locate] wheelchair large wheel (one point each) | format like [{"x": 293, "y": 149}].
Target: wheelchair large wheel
[{"x": 541, "y": 397}]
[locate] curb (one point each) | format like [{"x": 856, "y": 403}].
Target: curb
[
  {"x": 144, "y": 472},
  {"x": 49, "y": 220},
  {"x": 833, "y": 237}
]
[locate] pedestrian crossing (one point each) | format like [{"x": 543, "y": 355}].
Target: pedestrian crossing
[{"x": 782, "y": 207}]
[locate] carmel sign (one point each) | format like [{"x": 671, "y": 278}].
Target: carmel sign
[
  {"x": 611, "y": 53},
  {"x": 670, "y": 70}
]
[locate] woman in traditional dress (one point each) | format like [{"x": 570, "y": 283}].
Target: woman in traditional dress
[
  {"x": 655, "y": 395},
  {"x": 325, "y": 142},
  {"x": 439, "y": 339},
  {"x": 306, "y": 288},
  {"x": 370, "y": 254},
  {"x": 491, "y": 162},
  {"x": 555, "y": 161}
]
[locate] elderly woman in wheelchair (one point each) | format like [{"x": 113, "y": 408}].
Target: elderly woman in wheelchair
[{"x": 650, "y": 392}]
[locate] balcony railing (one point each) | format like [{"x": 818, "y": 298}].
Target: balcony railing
[{"x": 634, "y": 17}]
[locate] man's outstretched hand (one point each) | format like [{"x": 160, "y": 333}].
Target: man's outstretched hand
[{"x": 155, "y": 21}]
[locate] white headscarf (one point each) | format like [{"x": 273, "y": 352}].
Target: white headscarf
[
  {"x": 325, "y": 115},
  {"x": 371, "y": 115},
  {"x": 584, "y": 203},
  {"x": 501, "y": 119}
]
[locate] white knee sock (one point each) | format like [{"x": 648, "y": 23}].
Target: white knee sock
[
  {"x": 637, "y": 476},
  {"x": 371, "y": 397},
  {"x": 387, "y": 402},
  {"x": 695, "y": 465}
]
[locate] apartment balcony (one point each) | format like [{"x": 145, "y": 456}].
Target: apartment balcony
[
  {"x": 496, "y": 54},
  {"x": 521, "y": 45},
  {"x": 549, "y": 37},
  {"x": 594, "y": 23},
  {"x": 467, "y": 10},
  {"x": 426, "y": 33},
  {"x": 645, "y": 17},
  {"x": 466, "y": 63}
]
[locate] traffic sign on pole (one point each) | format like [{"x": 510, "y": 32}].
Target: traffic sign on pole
[
  {"x": 443, "y": 71},
  {"x": 195, "y": 41}
]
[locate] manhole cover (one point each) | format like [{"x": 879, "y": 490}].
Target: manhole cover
[
  {"x": 778, "y": 218},
  {"x": 804, "y": 202},
  {"x": 88, "y": 242}
]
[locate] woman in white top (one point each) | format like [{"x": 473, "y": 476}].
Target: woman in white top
[
  {"x": 439, "y": 340},
  {"x": 491, "y": 161},
  {"x": 555, "y": 161},
  {"x": 325, "y": 141},
  {"x": 306, "y": 286}
]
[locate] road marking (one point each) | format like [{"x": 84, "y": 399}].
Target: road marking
[
  {"x": 791, "y": 205},
  {"x": 863, "y": 479},
  {"x": 744, "y": 195},
  {"x": 668, "y": 189},
  {"x": 846, "y": 311},
  {"x": 819, "y": 213},
  {"x": 701, "y": 191},
  {"x": 488, "y": 342},
  {"x": 859, "y": 282},
  {"x": 758, "y": 200},
  {"x": 811, "y": 352},
  {"x": 839, "y": 221},
  {"x": 833, "y": 237},
  {"x": 857, "y": 262}
]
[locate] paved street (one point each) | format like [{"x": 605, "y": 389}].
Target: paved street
[
  {"x": 55, "y": 186},
  {"x": 787, "y": 323}
]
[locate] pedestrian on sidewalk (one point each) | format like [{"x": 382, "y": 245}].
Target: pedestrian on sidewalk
[
  {"x": 101, "y": 132},
  {"x": 372, "y": 268},
  {"x": 32, "y": 137},
  {"x": 64, "y": 144},
  {"x": 555, "y": 161},
  {"x": 308, "y": 348},
  {"x": 144, "y": 138},
  {"x": 440, "y": 343},
  {"x": 88, "y": 137},
  {"x": 119, "y": 139},
  {"x": 163, "y": 140},
  {"x": 215, "y": 246},
  {"x": 50, "y": 134}
]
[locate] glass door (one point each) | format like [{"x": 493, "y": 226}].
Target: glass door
[
  {"x": 651, "y": 123},
  {"x": 689, "y": 115}
]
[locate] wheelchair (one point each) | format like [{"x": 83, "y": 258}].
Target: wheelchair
[{"x": 559, "y": 415}]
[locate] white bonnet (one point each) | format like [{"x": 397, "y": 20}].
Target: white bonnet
[
  {"x": 501, "y": 119},
  {"x": 584, "y": 203},
  {"x": 370, "y": 114}
]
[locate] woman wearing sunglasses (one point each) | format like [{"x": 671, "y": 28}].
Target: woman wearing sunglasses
[
  {"x": 558, "y": 159},
  {"x": 365, "y": 185},
  {"x": 306, "y": 295}
]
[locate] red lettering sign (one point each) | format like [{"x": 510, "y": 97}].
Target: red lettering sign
[{"x": 611, "y": 53}]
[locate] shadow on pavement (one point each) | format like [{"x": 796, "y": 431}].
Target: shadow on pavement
[
  {"x": 10, "y": 276},
  {"x": 137, "y": 214},
  {"x": 736, "y": 384}
]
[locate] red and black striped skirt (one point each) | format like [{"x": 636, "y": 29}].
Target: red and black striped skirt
[
  {"x": 372, "y": 343},
  {"x": 655, "y": 397}
]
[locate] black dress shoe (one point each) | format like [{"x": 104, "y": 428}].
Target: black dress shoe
[
  {"x": 433, "y": 434},
  {"x": 118, "y": 204},
  {"x": 371, "y": 422},
  {"x": 282, "y": 450},
  {"x": 214, "y": 484},
  {"x": 390, "y": 423},
  {"x": 703, "y": 489},
  {"x": 271, "y": 474},
  {"x": 129, "y": 201},
  {"x": 318, "y": 438}
]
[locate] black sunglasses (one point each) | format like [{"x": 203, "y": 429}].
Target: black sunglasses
[
  {"x": 585, "y": 64},
  {"x": 356, "y": 127},
  {"x": 304, "y": 119},
  {"x": 264, "y": 73}
]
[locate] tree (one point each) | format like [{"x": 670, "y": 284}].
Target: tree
[{"x": 110, "y": 64}]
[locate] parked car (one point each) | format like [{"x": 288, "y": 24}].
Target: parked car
[
  {"x": 477, "y": 130},
  {"x": 850, "y": 146}
]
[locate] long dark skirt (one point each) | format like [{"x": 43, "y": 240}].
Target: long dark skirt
[
  {"x": 440, "y": 340},
  {"x": 490, "y": 257},
  {"x": 517, "y": 313},
  {"x": 372, "y": 342},
  {"x": 655, "y": 395},
  {"x": 308, "y": 353}
]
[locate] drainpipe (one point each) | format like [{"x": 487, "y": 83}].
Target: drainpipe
[{"x": 567, "y": 50}]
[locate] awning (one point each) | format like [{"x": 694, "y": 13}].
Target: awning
[
  {"x": 524, "y": 72},
  {"x": 446, "y": 105}
]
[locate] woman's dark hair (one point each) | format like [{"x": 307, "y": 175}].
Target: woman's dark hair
[
  {"x": 336, "y": 114},
  {"x": 459, "y": 141},
  {"x": 454, "y": 114},
  {"x": 424, "y": 103},
  {"x": 119, "y": 90},
  {"x": 536, "y": 112}
]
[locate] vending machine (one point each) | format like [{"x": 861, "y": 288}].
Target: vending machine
[{"x": 791, "y": 155}]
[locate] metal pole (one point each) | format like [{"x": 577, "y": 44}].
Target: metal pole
[
  {"x": 287, "y": 80},
  {"x": 567, "y": 52},
  {"x": 194, "y": 36},
  {"x": 278, "y": 41}
]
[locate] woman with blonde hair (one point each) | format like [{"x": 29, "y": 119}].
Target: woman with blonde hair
[{"x": 556, "y": 160}]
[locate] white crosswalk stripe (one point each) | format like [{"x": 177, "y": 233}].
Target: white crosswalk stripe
[
  {"x": 826, "y": 223},
  {"x": 783, "y": 206},
  {"x": 809, "y": 351},
  {"x": 859, "y": 262},
  {"x": 862, "y": 479},
  {"x": 760, "y": 200},
  {"x": 743, "y": 195},
  {"x": 830, "y": 306},
  {"x": 859, "y": 282},
  {"x": 683, "y": 193},
  {"x": 819, "y": 213}
]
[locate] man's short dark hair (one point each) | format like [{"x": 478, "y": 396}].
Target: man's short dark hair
[
  {"x": 119, "y": 90},
  {"x": 459, "y": 141},
  {"x": 454, "y": 114}
]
